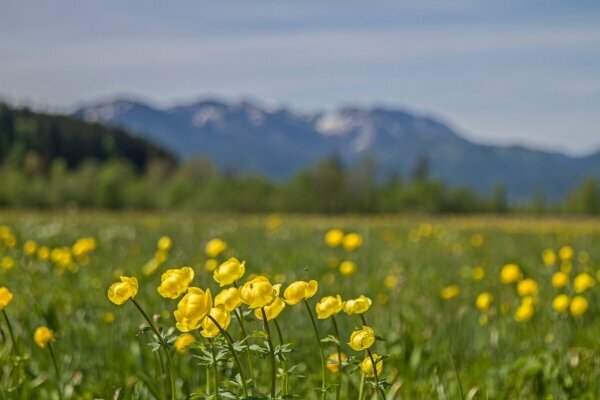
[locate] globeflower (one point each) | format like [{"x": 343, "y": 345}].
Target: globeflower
[
  {"x": 352, "y": 241},
  {"x": 524, "y": 312},
  {"x": 223, "y": 318},
  {"x": 561, "y": 303},
  {"x": 510, "y": 273},
  {"x": 348, "y": 268},
  {"x": 449, "y": 292},
  {"x": 229, "y": 298},
  {"x": 333, "y": 362},
  {"x": 362, "y": 339},
  {"x": 174, "y": 282},
  {"x": 566, "y": 253},
  {"x": 122, "y": 291},
  {"x": 258, "y": 292},
  {"x": 42, "y": 336},
  {"x": 192, "y": 309},
  {"x": 484, "y": 301},
  {"x": 334, "y": 237},
  {"x": 527, "y": 287},
  {"x": 329, "y": 306},
  {"x": 229, "y": 272},
  {"x": 214, "y": 247},
  {"x": 366, "y": 366},
  {"x": 582, "y": 282},
  {"x": 5, "y": 297},
  {"x": 300, "y": 290},
  {"x": 359, "y": 305},
  {"x": 183, "y": 341},
  {"x": 560, "y": 279},
  {"x": 579, "y": 305},
  {"x": 30, "y": 248},
  {"x": 549, "y": 257},
  {"x": 273, "y": 310},
  {"x": 164, "y": 243}
]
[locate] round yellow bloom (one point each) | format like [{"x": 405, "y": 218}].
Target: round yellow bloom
[
  {"x": 258, "y": 292},
  {"x": 566, "y": 253},
  {"x": 211, "y": 264},
  {"x": 164, "y": 243},
  {"x": 192, "y": 309},
  {"x": 5, "y": 297},
  {"x": 549, "y": 257},
  {"x": 30, "y": 248},
  {"x": 510, "y": 273},
  {"x": 348, "y": 268},
  {"x": 362, "y": 339},
  {"x": 108, "y": 317},
  {"x": 329, "y": 306},
  {"x": 391, "y": 281},
  {"x": 484, "y": 301},
  {"x": 43, "y": 335},
  {"x": 366, "y": 366},
  {"x": 300, "y": 290},
  {"x": 524, "y": 312},
  {"x": 449, "y": 292},
  {"x": 43, "y": 253},
  {"x": 174, "y": 282},
  {"x": 527, "y": 287},
  {"x": 122, "y": 291},
  {"x": 222, "y": 316},
  {"x": 333, "y": 364},
  {"x": 582, "y": 282},
  {"x": 561, "y": 303},
  {"x": 229, "y": 272},
  {"x": 579, "y": 305},
  {"x": 334, "y": 237},
  {"x": 352, "y": 241},
  {"x": 183, "y": 341},
  {"x": 478, "y": 273},
  {"x": 357, "y": 306},
  {"x": 83, "y": 246},
  {"x": 560, "y": 279},
  {"x": 229, "y": 298},
  {"x": 7, "y": 262},
  {"x": 214, "y": 247},
  {"x": 273, "y": 310}
]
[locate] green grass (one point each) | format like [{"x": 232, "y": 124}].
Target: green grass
[{"x": 431, "y": 343}]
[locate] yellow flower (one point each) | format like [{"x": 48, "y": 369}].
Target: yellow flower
[
  {"x": 582, "y": 282},
  {"x": 366, "y": 366},
  {"x": 164, "y": 243},
  {"x": 476, "y": 240},
  {"x": 7, "y": 262},
  {"x": 347, "y": 268},
  {"x": 160, "y": 256},
  {"x": 561, "y": 303},
  {"x": 362, "y": 339},
  {"x": 510, "y": 273},
  {"x": 300, "y": 290},
  {"x": 174, "y": 282},
  {"x": 43, "y": 253},
  {"x": 560, "y": 280},
  {"x": 329, "y": 306},
  {"x": 527, "y": 287},
  {"x": 222, "y": 316},
  {"x": 579, "y": 305},
  {"x": 214, "y": 247},
  {"x": 357, "y": 306},
  {"x": 449, "y": 292},
  {"x": 478, "y": 273},
  {"x": 211, "y": 264},
  {"x": 42, "y": 336},
  {"x": 566, "y": 253},
  {"x": 524, "y": 312},
  {"x": 229, "y": 272},
  {"x": 334, "y": 237},
  {"x": 352, "y": 241},
  {"x": 192, "y": 309},
  {"x": 391, "y": 281},
  {"x": 333, "y": 364},
  {"x": 258, "y": 292},
  {"x": 30, "y": 248},
  {"x": 549, "y": 257},
  {"x": 229, "y": 298},
  {"x": 122, "y": 291},
  {"x": 273, "y": 310},
  {"x": 183, "y": 341},
  {"x": 108, "y": 317},
  {"x": 5, "y": 297},
  {"x": 484, "y": 301},
  {"x": 83, "y": 246}
]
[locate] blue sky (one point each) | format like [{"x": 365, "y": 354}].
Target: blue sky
[{"x": 525, "y": 72}]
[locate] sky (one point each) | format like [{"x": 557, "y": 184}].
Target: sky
[{"x": 502, "y": 72}]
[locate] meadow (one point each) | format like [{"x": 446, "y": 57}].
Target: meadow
[{"x": 474, "y": 307}]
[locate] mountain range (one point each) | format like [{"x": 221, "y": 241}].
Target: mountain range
[{"x": 247, "y": 137}]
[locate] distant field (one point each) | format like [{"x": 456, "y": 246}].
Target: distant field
[{"x": 424, "y": 276}]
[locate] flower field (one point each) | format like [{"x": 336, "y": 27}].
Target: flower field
[{"x": 185, "y": 306}]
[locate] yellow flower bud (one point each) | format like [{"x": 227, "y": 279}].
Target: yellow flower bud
[
  {"x": 362, "y": 339},
  {"x": 222, "y": 316},
  {"x": 211, "y": 264},
  {"x": 174, "y": 282},
  {"x": 510, "y": 273},
  {"x": 5, "y": 297},
  {"x": 352, "y": 241},
  {"x": 300, "y": 290},
  {"x": 214, "y": 247},
  {"x": 561, "y": 303},
  {"x": 359, "y": 305},
  {"x": 484, "y": 301},
  {"x": 333, "y": 364},
  {"x": 527, "y": 287},
  {"x": 449, "y": 292},
  {"x": 524, "y": 312},
  {"x": 164, "y": 243},
  {"x": 122, "y": 291},
  {"x": 566, "y": 253},
  {"x": 30, "y": 248},
  {"x": 43, "y": 253},
  {"x": 582, "y": 282},
  {"x": 258, "y": 292},
  {"x": 579, "y": 305},
  {"x": 42, "y": 336},
  {"x": 348, "y": 268},
  {"x": 183, "y": 341},
  {"x": 229, "y": 298},
  {"x": 366, "y": 366},
  {"x": 549, "y": 257},
  {"x": 334, "y": 237},
  {"x": 229, "y": 272},
  {"x": 329, "y": 306},
  {"x": 560, "y": 279},
  {"x": 192, "y": 309}
]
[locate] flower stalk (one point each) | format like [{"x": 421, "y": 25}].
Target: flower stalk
[
  {"x": 271, "y": 351},
  {"x": 320, "y": 345}
]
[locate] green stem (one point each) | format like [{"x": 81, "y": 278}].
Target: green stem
[
  {"x": 361, "y": 390},
  {"x": 215, "y": 369},
  {"x": 271, "y": 351},
  {"x": 57, "y": 369},
  {"x": 339, "y": 353},
  {"x": 11, "y": 333},
  {"x": 207, "y": 381},
  {"x": 318, "y": 337},
  {"x": 376, "y": 376},
  {"x": 284, "y": 376},
  {"x": 164, "y": 346},
  {"x": 233, "y": 353},
  {"x": 245, "y": 338}
]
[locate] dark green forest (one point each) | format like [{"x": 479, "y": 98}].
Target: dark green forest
[{"x": 51, "y": 161}]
